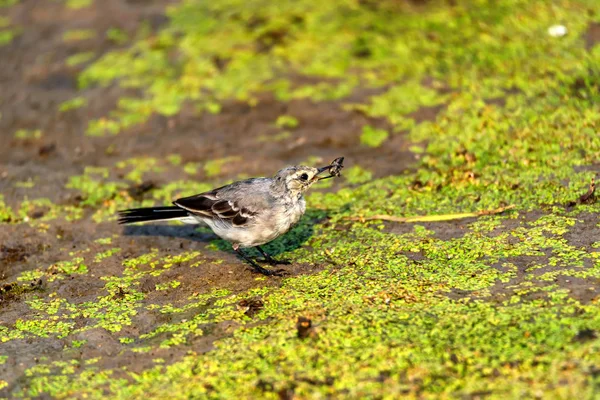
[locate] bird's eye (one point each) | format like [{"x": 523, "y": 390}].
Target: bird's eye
[{"x": 304, "y": 177}]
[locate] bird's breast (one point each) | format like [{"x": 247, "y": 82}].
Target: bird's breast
[
  {"x": 288, "y": 216},
  {"x": 296, "y": 211},
  {"x": 267, "y": 227}
]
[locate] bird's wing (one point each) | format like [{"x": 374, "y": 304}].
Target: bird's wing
[{"x": 238, "y": 203}]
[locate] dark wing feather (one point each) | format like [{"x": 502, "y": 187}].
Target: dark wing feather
[
  {"x": 240, "y": 220},
  {"x": 200, "y": 204},
  {"x": 221, "y": 206},
  {"x": 210, "y": 205},
  {"x": 228, "y": 214},
  {"x": 225, "y": 209}
]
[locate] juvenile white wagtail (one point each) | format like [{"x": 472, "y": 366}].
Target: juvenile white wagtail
[{"x": 247, "y": 213}]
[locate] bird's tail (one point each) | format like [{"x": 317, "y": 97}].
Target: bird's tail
[{"x": 151, "y": 214}]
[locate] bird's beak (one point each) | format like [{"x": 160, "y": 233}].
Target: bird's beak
[
  {"x": 333, "y": 169},
  {"x": 320, "y": 171},
  {"x": 323, "y": 169}
]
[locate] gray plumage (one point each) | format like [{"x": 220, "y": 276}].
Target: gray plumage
[{"x": 247, "y": 213}]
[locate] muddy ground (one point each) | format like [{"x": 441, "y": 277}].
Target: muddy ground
[{"x": 35, "y": 81}]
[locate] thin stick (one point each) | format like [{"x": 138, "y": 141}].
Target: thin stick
[{"x": 431, "y": 218}]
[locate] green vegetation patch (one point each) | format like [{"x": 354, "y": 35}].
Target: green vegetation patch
[
  {"x": 377, "y": 306},
  {"x": 373, "y": 137},
  {"x": 8, "y": 3},
  {"x": 73, "y": 104},
  {"x": 77, "y": 4},
  {"x": 24, "y": 134},
  {"x": 6, "y": 213},
  {"x": 79, "y": 58},
  {"x": 504, "y": 306}
]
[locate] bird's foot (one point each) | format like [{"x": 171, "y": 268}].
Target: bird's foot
[
  {"x": 272, "y": 261},
  {"x": 258, "y": 268},
  {"x": 269, "y": 272}
]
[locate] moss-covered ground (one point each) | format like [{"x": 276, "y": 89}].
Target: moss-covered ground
[{"x": 440, "y": 107}]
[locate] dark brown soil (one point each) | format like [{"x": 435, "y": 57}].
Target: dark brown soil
[
  {"x": 35, "y": 81},
  {"x": 581, "y": 236},
  {"x": 592, "y": 35}
]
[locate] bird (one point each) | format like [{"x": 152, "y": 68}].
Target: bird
[{"x": 247, "y": 213}]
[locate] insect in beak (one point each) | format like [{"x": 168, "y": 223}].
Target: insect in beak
[{"x": 334, "y": 169}]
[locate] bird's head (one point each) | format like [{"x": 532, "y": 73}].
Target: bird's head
[{"x": 297, "y": 179}]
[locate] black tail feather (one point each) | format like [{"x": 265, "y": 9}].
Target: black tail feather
[{"x": 150, "y": 214}]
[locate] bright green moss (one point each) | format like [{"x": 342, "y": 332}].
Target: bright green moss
[
  {"x": 286, "y": 122},
  {"x": 116, "y": 35},
  {"x": 73, "y": 104},
  {"x": 392, "y": 309},
  {"x": 80, "y": 58},
  {"x": 6, "y": 213},
  {"x": 398, "y": 102},
  {"x": 24, "y": 134},
  {"x": 484, "y": 311},
  {"x": 66, "y": 268},
  {"x": 373, "y": 137},
  {"x": 8, "y": 3},
  {"x": 108, "y": 253},
  {"x": 357, "y": 175},
  {"x": 102, "y": 126},
  {"x": 213, "y": 167},
  {"x": 7, "y": 36},
  {"x": 381, "y": 44},
  {"x": 77, "y": 4},
  {"x": 94, "y": 187}
]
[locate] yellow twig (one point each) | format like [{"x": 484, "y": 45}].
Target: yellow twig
[{"x": 431, "y": 218}]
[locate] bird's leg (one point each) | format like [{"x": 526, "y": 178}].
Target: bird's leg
[
  {"x": 254, "y": 265},
  {"x": 271, "y": 260}
]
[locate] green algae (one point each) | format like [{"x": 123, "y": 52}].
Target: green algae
[
  {"x": 286, "y": 122},
  {"x": 105, "y": 254},
  {"x": 107, "y": 190},
  {"x": 6, "y": 213},
  {"x": 73, "y": 104},
  {"x": 357, "y": 175},
  {"x": 77, "y": 4},
  {"x": 8, "y": 3},
  {"x": 117, "y": 36},
  {"x": 24, "y": 134},
  {"x": 396, "y": 320},
  {"x": 7, "y": 36},
  {"x": 212, "y": 168},
  {"x": 393, "y": 313},
  {"x": 373, "y": 137},
  {"x": 191, "y": 168},
  {"x": 305, "y": 38},
  {"x": 138, "y": 167},
  {"x": 80, "y": 58},
  {"x": 398, "y": 102},
  {"x": 104, "y": 241},
  {"x": 102, "y": 126},
  {"x": 94, "y": 187}
]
